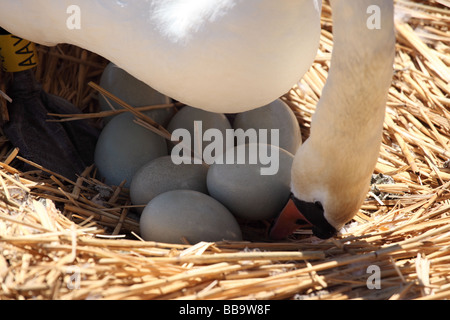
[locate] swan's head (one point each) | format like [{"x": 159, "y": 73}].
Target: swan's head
[{"x": 327, "y": 189}]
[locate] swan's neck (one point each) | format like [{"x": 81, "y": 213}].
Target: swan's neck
[
  {"x": 353, "y": 101},
  {"x": 346, "y": 129}
]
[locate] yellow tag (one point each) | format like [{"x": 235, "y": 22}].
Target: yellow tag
[{"x": 17, "y": 54}]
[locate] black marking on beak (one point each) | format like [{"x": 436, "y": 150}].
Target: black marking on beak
[{"x": 314, "y": 213}]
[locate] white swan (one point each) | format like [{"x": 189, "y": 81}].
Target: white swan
[{"x": 235, "y": 55}]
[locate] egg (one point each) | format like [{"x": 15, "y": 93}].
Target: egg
[
  {"x": 275, "y": 115},
  {"x": 256, "y": 189},
  {"x": 123, "y": 147},
  {"x": 186, "y": 118},
  {"x": 134, "y": 92},
  {"x": 189, "y": 214},
  {"x": 161, "y": 175}
]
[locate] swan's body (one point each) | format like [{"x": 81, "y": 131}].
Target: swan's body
[
  {"x": 235, "y": 55},
  {"x": 222, "y": 56}
]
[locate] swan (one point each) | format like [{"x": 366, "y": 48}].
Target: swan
[{"x": 235, "y": 55}]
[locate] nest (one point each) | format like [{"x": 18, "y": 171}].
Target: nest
[{"x": 64, "y": 239}]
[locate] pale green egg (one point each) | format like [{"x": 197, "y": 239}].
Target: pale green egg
[
  {"x": 134, "y": 92},
  {"x": 195, "y": 216},
  {"x": 247, "y": 189},
  {"x": 274, "y": 116},
  {"x": 161, "y": 175},
  {"x": 123, "y": 147},
  {"x": 197, "y": 122}
]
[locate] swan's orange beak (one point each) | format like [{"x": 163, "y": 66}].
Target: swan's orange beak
[
  {"x": 289, "y": 220},
  {"x": 300, "y": 214}
]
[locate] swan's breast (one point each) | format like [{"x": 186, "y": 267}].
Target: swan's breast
[{"x": 222, "y": 56}]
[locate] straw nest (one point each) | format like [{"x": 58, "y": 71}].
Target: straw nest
[{"x": 65, "y": 239}]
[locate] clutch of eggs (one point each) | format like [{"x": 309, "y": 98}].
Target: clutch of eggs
[{"x": 192, "y": 201}]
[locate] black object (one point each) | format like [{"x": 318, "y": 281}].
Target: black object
[
  {"x": 63, "y": 147},
  {"x": 314, "y": 213}
]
